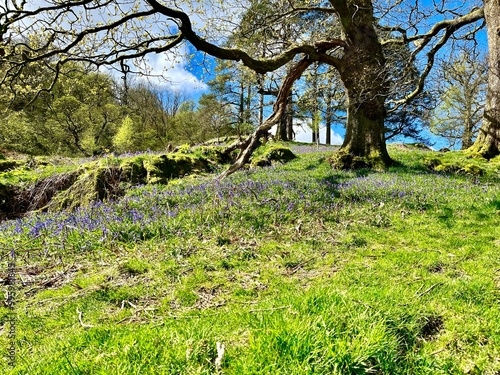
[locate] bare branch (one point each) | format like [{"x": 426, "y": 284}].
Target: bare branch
[{"x": 449, "y": 27}]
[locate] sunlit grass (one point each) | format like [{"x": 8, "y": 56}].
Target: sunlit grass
[{"x": 296, "y": 269}]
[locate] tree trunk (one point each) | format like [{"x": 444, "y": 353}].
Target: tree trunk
[
  {"x": 241, "y": 105},
  {"x": 468, "y": 133},
  {"x": 289, "y": 121},
  {"x": 315, "y": 136},
  {"x": 328, "y": 118},
  {"x": 284, "y": 131},
  {"x": 488, "y": 140},
  {"x": 362, "y": 72},
  {"x": 281, "y": 134}
]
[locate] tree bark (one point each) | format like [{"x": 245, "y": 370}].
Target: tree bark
[
  {"x": 468, "y": 133},
  {"x": 289, "y": 121},
  {"x": 488, "y": 140},
  {"x": 251, "y": 143},
  {"x": 362, "y": 72},
  {"x": 281, "y": 134},
  {"x": 328, "y": 117}
]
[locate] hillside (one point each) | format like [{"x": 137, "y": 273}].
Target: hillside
[{"x": 289, "y": 269}]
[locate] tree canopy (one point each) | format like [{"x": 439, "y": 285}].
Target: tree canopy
[{"x": 351, "y": 36}]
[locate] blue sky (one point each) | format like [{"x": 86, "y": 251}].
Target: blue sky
[{"x": 192, "y": 75}]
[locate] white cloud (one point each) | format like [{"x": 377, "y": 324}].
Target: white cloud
[
  {"x": 303, "y": 133},
  {"x": 168, "y": 70}
]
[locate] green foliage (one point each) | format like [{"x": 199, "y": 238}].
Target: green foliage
[
  {"x": 124, "y": 138},
  {"x": 78, "y": 117},
  {"x": 462, "y": 93},
  {"x": 294, "y": 269},
  {"x": 135, "y": 267}
]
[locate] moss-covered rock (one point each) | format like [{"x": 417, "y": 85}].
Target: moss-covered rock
[
  {"x": 342, "y": 159},
  {"x": 99, "y": 180},
  {"x": 432, "y": 162},
  {"x": 216, "y": 154},
  {"x": 473, "y": 170},
  {"x": 161, "y": 168},
  {"x": 99, "y": 183},
  {"x": 447, "y": 168},
  {"x": 273, "y": 154},
  {"x": 133, "y": 170},
  {"x": 7, "y": 165}
]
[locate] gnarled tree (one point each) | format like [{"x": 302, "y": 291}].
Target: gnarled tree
[
  {"x": 488, "y": 140},
  {"x": 109, "y": 32}
]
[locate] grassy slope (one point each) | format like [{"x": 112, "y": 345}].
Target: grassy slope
[{"x": 296, "y": 269}]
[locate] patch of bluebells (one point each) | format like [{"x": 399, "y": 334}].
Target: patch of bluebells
[
  {"x": 249, "y": 200},
  {"x": 301, "y": 149},
  {"x": 413, "y": 190}
]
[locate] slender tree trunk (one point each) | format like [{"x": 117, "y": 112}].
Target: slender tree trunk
[
  {"x": 468, "y": 133},
  {"x": 315, "y": 136},
  {"x": 261, "y": 106},
  {"x": 248, "y": 109},
  {"x": 289, "y": 120},
  {"x": 328, "y": 117},
  {"x": 488, "y": 140},
  {"x": 241, "y": 105}
]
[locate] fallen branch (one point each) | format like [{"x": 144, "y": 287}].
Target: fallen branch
[
  {"x": 221, "y": 348},
  {"x": 84, "y": 325},
  {"x": 427, "y": 290}
]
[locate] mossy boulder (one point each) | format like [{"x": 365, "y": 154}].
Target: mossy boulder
[
  {"x": 133, "y": 170},
  {"x": 7, "y": 165},
  {"x": 99, "y": 180},
  {"x": 161, "y": 168},
  {"x": 432, "y": 162},
  {"x": 216, "y": 154},
  {"x": 105, "y": 179},
  {"x": 447, "y": 168},
  {"x": 93, "y": 184},
  {"x": 273, "y": 154},
  {"x": 473, "y": 170}
]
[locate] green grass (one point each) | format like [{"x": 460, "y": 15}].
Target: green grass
[{"x": 296, "y": 269}]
